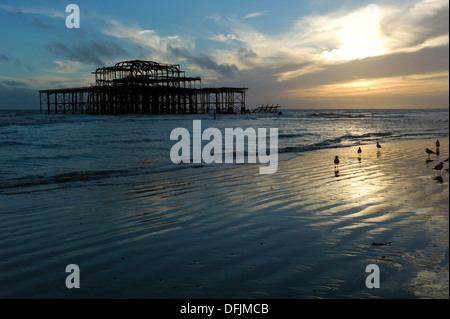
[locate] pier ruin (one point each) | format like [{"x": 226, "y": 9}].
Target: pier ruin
[{"x": 143, "y": 87}]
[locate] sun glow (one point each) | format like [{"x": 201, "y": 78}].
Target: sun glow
[
  {"x": 361, "y": 40},
  {"x": 412, "y": 85},
  {"x": 355, "y": 46}
]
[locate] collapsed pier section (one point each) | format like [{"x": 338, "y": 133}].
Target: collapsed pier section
[{"x": 143, "y": 87}]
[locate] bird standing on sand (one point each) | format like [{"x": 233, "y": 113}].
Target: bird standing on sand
[
  {"x": 378, "y": 145},
  {"x": 429, "y": 152},
  {"x": 336, "y": 161},
  {"x": 439, "y": 167},
  {"x": 359, "y": 150},
  {"x": 438, "y": 144}
]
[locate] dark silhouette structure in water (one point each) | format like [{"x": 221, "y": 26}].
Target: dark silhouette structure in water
[{"x": 143, "y": 87}]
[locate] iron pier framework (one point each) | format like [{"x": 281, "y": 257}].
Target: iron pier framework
[{"x": 143, "y": 87}]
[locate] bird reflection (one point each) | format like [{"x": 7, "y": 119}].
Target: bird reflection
[
  {"x": 439, "y": 167},
  {"x": 336, "y": 164},
  {"x": 439, "y": 179},
  {"x": 429, "y": 152},
  {"x": 378, "y": 150}
]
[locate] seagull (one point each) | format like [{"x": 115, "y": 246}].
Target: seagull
[
  {"x": 429, "y": 152},
  {"x": 439, "y": 167},
  {"x": 438, "y": 144},
  {"x": 359, "y": 150},
  {"x": 378, "y": 145},
  {"x": 336, "y": 161}
]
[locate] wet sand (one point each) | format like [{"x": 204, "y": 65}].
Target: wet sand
[{"x": 305, "y": 232}]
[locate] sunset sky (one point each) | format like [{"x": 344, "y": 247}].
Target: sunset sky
[{"x": 299, "y": 54}]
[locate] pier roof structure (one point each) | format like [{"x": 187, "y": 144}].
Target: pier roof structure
[{"x": 144, "y": 73}]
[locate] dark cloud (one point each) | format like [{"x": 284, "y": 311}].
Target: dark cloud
[
  {"x": 98, "y": 53},
  {"x": 425, "y": 61},
  {"x": 12, "y": 84},
  {"x": 8, "y": 59},
  {"x": 5, "y": 57},
  {"x": 264, "y": 86},
  {"x": 204, "y": 61},
  {"x": 40, "y": 24},
  {"x": 245, "y": 54}
]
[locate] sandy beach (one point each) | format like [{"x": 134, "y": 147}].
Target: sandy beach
[{"x": 305, "y": 232}]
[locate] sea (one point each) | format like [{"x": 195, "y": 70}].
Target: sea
[
  {"x": 43, "y": 151},
  {"x": 60, "y": 168}
]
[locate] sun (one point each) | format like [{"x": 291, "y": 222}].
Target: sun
[
  {"x": 355, "y": 46},
  {"x": 361, "y": 40}
]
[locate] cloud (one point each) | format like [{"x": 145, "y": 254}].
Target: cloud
[
  {"x": 10, "y": 85},
  {"x": 402, "y": 79},
  {"x": 93, "y": 52},
  {"x": 40, "y": 24},
  {"x": 13, "y": 84},
  {"x": 400, "y": 45},
  {"x": 346, "y": 35},
  {"x": 408, "y": 27},
  {"x": 425, "y": 61},
  {"x": 170, "y": 48},
  {"x": 6, "y": 58},
  {"x": 410, "y": 85},
  {"x": 224, "y": 38},
  {"x": 149, "y": 39},
  {"x": 9, "y": 81},
  {"x": 366, "y": 46},
  {"x": 69, "y": 67},
  {"x": 203, "y": 61},
  {"x": 255, "y": 14},
  {"x": 246, "y": 54},
  {"x": 27, "y": 10}
]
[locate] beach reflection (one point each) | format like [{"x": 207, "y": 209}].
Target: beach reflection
[
  {"x": 439, "y": 179},
  {"x": 336, "y": 173},
  {"x": 302, "y": 212}
]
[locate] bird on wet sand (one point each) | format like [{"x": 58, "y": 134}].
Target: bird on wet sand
[
  {"x": 439, "y": 167},
  {"x": 336, "y": 161},
  {"x": 429, "y": 152},
  {"x": 378, "y": 145},
  {"x": 359, "y": 150},
  {"x": 438, "y": 144}
]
